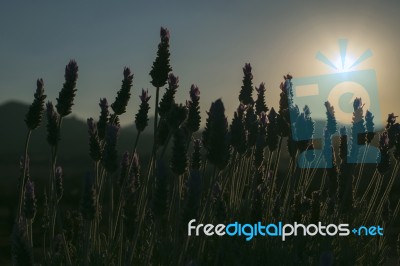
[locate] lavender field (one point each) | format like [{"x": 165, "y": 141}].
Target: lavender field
[{"x": 132, "y": 191}]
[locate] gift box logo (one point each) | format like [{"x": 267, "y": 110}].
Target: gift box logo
[{"x": 340, "y": 89}]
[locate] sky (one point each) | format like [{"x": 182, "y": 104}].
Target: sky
[{"x": 210, "y": 43}]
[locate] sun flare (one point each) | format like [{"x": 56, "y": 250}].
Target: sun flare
[{"x": 345, "y": 60}]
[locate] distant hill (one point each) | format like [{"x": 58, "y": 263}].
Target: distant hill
[
  {"x": 74, "y": 136},
  {"x": 73, "y": 153}
]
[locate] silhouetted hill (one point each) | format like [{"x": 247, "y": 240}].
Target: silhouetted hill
[
  {"x": 74, "y": 136},
  {"x": 73, "y": 153}
]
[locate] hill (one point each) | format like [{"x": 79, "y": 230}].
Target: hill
[{"x": 73, "y": 153}]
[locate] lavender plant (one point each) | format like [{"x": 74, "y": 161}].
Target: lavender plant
[{"x": 130, "y": 214}]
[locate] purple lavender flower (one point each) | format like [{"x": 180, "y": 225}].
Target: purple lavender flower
[
  {"x": 92, "y": 126},
  {"x": 164, "y": 34},
  {"x": 179, "y": 156},
  {"x": 331, "y": 119},
  {"x": 391, "y": 120},
  {"x": 30, "y": 201},
  {"x": 104, "y": 113},
  {"x": 396, "y": 141},
  {"x": 88, "y": 202},
  {"x": 357, "y": 104},
  {"x": 141, "y": 118},
  {"x": 305, "y": 126},
  {"x": 177, "y": 115},
  {"x": 238, "y": 134},
  {"x": 67, "y": 94},
  {"x": 392, "y": 129},
  {"x": 161, "y": 66},
  {"x": 130, "y": 181},
  {"x": 383, "y": 140},
  {"x": 173, "y": 81},
  {"x": 21, "y": 251},
  {"x": 193, "y": 197},
  {"x": 194, "y": 119},
  {"x": 34, "y": 116},
  {"x": 287, "y": 77},
  {"x": 272, "y": 130},
  {"x": 144, "y": 97},
  {"x": 125, "y": 159},
  {"x": 285, "y": 106},
  {"x": 103, "y": 105},
  {"x": 59, "y": 182},
  {"x": 195, "y": 161},
  {"x": 53, "y": 131},
  {"x": 246, "y": 92},
  {"x": 134, "y": 181},
  {"x": 124, "y": 168},
  {"x": 194, "y": 93},
  {"x": 264, "y": 119},
  {"x": 22, "y": 164},
  {"x": 261, "y": 141},
  {"x": 215, "y": 138},
  {"x": 160, "y": 202},
  {"x": 369, "y": 124},
  {"x": 384, "y": 155},
  {"x": 251, "y": 125},
  {"x": 94, "y": 142},
  {"x": 247, "y": 70},
  {"x": 110, "y": 154},
  {"x": 287, "y": 84},
  {"x": 124, "y": 94},
  {"x": 112, "y": 134},
  {"x": 358, "y": 128},
  {"x": 168, "y": 98},
  {"x": 260, "y": 102},
  {"x": 261, "y": 88}
]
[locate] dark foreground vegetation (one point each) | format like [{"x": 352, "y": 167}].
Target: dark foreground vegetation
[{"x": 134, "y": 209}]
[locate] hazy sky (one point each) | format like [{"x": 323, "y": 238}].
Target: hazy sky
[{"x": 210, "y": 42}]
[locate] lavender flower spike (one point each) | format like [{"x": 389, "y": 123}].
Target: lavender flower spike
[
  {"x": 34, "y": 116},
  {"x": 30, "y": 201},
  {"x": 67, "y": 94},
  {"x": 194, "y": 93},
  {"x": 144, "y": 97},
  {"x": 141, "y": 118},
  {"x": 59, "y": 182}
]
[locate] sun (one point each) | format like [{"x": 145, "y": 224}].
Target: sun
[
  {"x": 345, "y": 61},
  {"x": 344, "y": 64}
]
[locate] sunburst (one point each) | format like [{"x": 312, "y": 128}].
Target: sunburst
[{"x": 344, "y": 62}]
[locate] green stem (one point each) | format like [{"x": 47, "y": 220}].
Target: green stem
[
  {"x": 121, "y": 232},
  {"x": 373, "y": 198},
  {"x": 111, "y": 207},
  {"x": 133, "y": 153},
  {"x": 165, "y": 145},
  {"x": 53, "y": 196},
  {"x": 361, "y": 169},
  {"x": 30, "y": 232},
  {"x": 155, "y": 127},
  {"x": 23, "y": 178},
  {"x": 86, "y": 252},
  {"x": 276, "y": 164},
  {"x": 369, "y": 186},
  {"x": 387, "y": 191}
]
